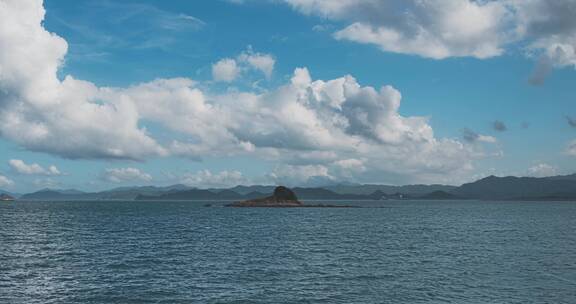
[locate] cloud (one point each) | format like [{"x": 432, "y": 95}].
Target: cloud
[
  {"x": 571, "y": 148},
  {"x": 309, "y": 175},
  {"x": 120, "y": 175},
  {"x": 351, "y": 164},
  {"x": 542, "y": 170},
  {"x": 262, "y": 62},
  {"x": 499, "y": 126},
  {"x": 549, "y": 28},
  {"x": 347, "y": 169},
  {"x": 304, "y": 122},
  {"x": 228, "y": 69},
  {"x": 433, "y": 29},
  {"x": 541, "y": 70},
  {"x": 441, "y": 29},
  {"x": 207, "y": 179},
  {"x": 47, "y": 183},
  {"x": 157, "y": 28},
  {"x": 225, "y": 70},
  {"x": 322, "y": 27},
  {"x": 5, "y": 181},
  {"x": 525, "y": 125},
  {"x": 571, "y": 121},
  {"x": 471, "y": 136},
  {"x": 43, "y": 113},
  {"x": 147, "y": 15},
  {"x": 21, "y": 167}
]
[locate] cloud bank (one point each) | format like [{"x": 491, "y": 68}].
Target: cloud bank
[
  {"x": 441, "y": 29},
  {"x": 432, "y": 29},
  {"x": 329, "y": 129}
]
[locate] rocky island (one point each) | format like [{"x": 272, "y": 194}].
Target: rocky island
[
  {"x": 6, "y": 198},
  {"x": 282, "y": 197}
]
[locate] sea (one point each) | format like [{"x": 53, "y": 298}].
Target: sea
[{"x": 202, "y": 252}]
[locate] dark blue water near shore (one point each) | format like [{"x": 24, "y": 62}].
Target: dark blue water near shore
[{"x": 179, "y": 252}]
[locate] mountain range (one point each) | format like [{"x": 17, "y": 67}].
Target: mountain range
[{"x": 490, "y": 188}]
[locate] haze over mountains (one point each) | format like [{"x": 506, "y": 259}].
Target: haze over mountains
[{"x": 489, "y": 188}]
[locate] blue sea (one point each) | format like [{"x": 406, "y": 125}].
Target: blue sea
[{"x": 387, "y": 252}]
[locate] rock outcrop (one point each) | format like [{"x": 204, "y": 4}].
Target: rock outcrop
[
  {"x": 282, "y": 197},
  {"x": 6, "y": 197}
]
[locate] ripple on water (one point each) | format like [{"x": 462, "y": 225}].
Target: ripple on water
[{"x": 175, "y": 252}]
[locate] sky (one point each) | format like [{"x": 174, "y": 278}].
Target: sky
[{"x": 102, "y": 94}]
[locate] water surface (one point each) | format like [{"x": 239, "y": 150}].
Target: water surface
[{"x": 184, "y": 252}]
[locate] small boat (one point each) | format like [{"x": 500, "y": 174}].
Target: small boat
[{"x": 6, "y": 198}]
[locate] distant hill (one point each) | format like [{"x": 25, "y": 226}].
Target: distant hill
[
  {"x": 439, "y": 195},
  {"x": 50, "y": 194},
  {"x": 123, "y": 193},
  {"x": 320, "y": 193},
  {"x": 510, "y": 187},
  {"x": 247, "y": 189},
  {"x": 230, "y": 194},
  {"x": 5, "y": 197},
  {"x": 500, "y": 188},
  {"x": 411, "y": 190},
  {"x": 194, "y": 194},
  {"x": 15, "y": 195},
  {"x": 571, "y": 177},
  {"x": 490, "y": 188},
  {"x": 130, "y": 193}
]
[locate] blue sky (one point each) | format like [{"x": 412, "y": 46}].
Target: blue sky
[{"x": 479, "y": 77}]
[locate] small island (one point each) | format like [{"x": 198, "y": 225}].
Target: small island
[
  {"x": 6, "y": 198},
  {"x": 282, "y": 197}
]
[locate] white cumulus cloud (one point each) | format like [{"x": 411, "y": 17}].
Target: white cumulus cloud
[
  {"x": 208, "y": 179},
  {"x": 225, "y": 70},
  {"x": 457, "y": 28},
  {"x": 549, "y": 26},
  {"x": 433, "y": 28},
  {"x": 571, "y": 149},
  {"x": 119, "y": 175},
  {"x": 331, "y": 125},
  {"x": 299, "y": 175},
  {"x": 262, "y": 62},
  {"x": 5, "y": 181},
  {"x": 542, "y": 170},
  {"x": 229, "y": 69},
  {"x": 65, "y": 117},
  {"x": 21, "y": 167}
]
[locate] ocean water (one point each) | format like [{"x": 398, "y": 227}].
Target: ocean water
[{"x": 185, "y": 252}]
